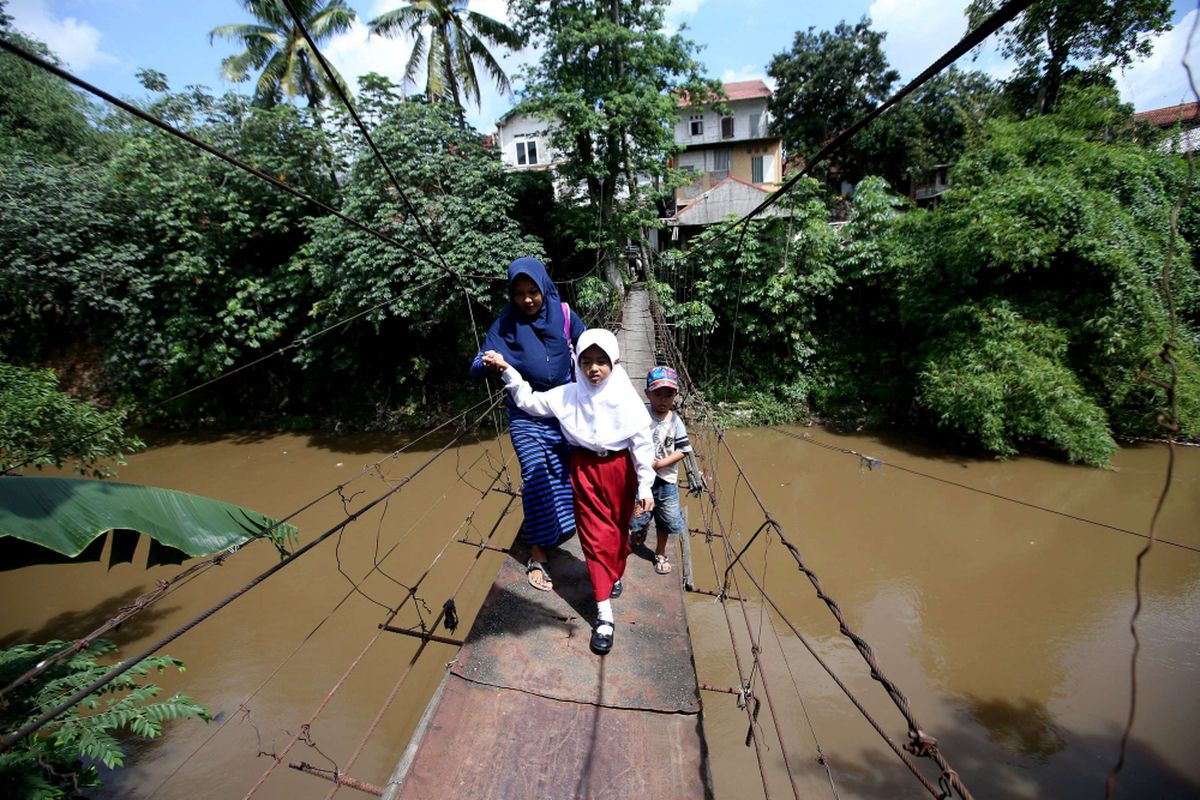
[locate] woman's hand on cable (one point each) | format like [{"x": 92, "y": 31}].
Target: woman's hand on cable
[
  {"x": 494, "y": 361},
  {"x": 644, "y": 506}
]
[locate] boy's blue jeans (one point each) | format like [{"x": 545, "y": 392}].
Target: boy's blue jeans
[{"x": 666, "y": 514}]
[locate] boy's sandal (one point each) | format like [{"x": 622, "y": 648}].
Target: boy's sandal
[
  {"x": 617, "y": 588},
  {"x": 661, "y": 565},
  {"x": 602, "y": 642},
  {"x": 544, "y": 576}
]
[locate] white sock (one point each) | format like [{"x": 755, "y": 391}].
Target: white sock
[{"x": 604, "y": 611}]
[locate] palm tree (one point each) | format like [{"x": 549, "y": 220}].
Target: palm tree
[
  {"x": 450, "y": 41},
  {"x": 277, "y": 47}
]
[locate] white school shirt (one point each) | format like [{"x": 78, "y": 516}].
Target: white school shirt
[{"x": 539, "y": 404}]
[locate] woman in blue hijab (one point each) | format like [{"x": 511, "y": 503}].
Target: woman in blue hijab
[{"x": 536, "y": 333}]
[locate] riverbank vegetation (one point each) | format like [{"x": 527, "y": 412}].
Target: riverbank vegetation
[{"x": 1024, "y": 310}]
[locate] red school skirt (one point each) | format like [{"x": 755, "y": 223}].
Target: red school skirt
[{"x": 604, "y": 496}]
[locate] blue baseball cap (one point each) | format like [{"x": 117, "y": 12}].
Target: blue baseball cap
[{"x": 660, "y": 377}]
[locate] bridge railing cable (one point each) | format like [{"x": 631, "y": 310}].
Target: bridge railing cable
[
  {"x": 920, "y": 743},
  {"x": 355, "y": 588},
  {"x": 279, "y": 756},
  {"x": 7, "y": 741}
]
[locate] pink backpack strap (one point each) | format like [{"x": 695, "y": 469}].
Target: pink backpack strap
[{"x": 567, "y": 335}]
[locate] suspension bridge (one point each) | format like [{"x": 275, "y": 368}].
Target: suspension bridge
[{"x": 524, "y": 709}]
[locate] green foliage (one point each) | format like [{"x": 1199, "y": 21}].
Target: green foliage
[
  {"x": 275, "y": 45},
  {"x": 1051, "y": 36},
  {"x": 61, "y": 759},
  {"x": 41, "y": 424},
  {"x": 457, "y": 40},
  {"x": 595, "y": 299},
  {"x": 1006, "y": 381},
  {"x": 40, "y": 113},
  {"x": 461, "y": 200},
  {"x": 1019, "y": 313},
  {"x": 829, "y": 80},
  {"x": 826, "y": 82},
  {"x": 607, "y": 78},
  {"x": 763, "y": 296}
]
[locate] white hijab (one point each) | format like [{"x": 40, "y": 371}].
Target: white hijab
[{"x": 601, "y": 417}]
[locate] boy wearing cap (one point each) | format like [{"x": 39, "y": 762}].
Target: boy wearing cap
[{"x": 670, "y": 444}]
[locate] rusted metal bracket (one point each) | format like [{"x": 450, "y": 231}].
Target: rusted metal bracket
[
  {"x": 333, "y": 777},
  {"x": 723, "y": 689},
  {"x": 429, "y": 637},
  {"x": 721, "y": 595},
  {"x": 705, "y": 533},
  {"x": 483, "y": 546}
]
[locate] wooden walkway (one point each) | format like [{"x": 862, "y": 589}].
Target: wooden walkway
[{"x": 527, "y": 711}]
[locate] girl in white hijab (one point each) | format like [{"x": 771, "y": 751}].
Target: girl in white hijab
[{"x": 603, "y": 416}]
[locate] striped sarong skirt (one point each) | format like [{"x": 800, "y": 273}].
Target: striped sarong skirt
[{"x": 546, "y": 496}]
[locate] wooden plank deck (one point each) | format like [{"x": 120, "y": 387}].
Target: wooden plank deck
[{"x": 528, "y": 711}]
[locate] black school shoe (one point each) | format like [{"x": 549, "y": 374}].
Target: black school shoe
[
  {"x": 602, "y": 642},
  {"x": 616, "y": 590}
]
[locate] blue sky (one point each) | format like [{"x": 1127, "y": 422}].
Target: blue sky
[{"x": 106, "y": 41}]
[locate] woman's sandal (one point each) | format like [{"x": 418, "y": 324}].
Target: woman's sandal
[
  {"x": 661, "y": 565},
  {"x": 539, "y": 567},
  {"x": 602, "y": 642}
]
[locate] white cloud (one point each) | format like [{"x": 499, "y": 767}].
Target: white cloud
[
  {"x": 919, "y": 31},
  {"x": 1160, "y": 79},
  {"x": 76, "y": 42},
  {"x": 355, "y": 53},
  {"x": 678, "y": 12},
  {"x": 747, "y": 72}
]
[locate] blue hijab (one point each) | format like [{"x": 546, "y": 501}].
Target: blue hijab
[{"x": 534, "y": 345}]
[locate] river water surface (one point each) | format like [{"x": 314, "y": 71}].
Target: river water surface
[{"x": 1005, "y": 625}]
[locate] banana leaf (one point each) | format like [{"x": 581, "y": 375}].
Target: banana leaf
[{"x": 67, "y": 514}]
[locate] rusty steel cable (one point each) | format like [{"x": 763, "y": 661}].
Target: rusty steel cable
[
  {"x": 873, "y": 462},
  {"x": 157, "y": 122},
  {"x": 755, "y": 647},
  {"x": 921, "y": 743},
  {"x": 743, "y": 683},
  {"x": 1168, "y": 419},
  {"x": 279, "y": 756},
  {"x": 412, "y": 211},
  {"x": 846, "y": 690},
  {"x": 377, "y": 566},
  {"x": 164, "y": 587},
  {"x": 366, "y": 737},
  {"x": 9, "y": 739},
  {"x": 971, "y": 39}
]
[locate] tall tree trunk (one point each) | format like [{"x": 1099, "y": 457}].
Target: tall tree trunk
[{"x": 452, "y": 79}]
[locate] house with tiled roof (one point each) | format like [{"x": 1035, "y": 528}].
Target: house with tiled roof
[
  {"x": 729, "y": 137},
  {"x": 1187, "y": 115},
  {"x": 1182, "y": 120}
]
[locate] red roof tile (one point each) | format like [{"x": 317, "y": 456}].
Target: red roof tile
[
  {"x": 1166, "y": 117},
  {"x": 738, "y": 90}
]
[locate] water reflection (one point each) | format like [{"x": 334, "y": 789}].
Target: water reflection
[{"x": 1022, "y": 726}]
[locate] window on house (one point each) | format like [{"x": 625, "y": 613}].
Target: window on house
[
  {"x": 756, "y": 169},
  {"x": 755, "y": 126},
  {"x": 696, "y": 124},
  {"x": 726, "y": 127},
  {"x": 527, "y": 153},
  {"x": 721, "y": 159}
]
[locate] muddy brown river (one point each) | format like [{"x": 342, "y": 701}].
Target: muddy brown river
[{"x": 1004, "y": 624}]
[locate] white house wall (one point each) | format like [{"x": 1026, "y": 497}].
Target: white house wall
[
  {"x": 743, "y": 111},
  {"x": 524, "y": 129}
]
